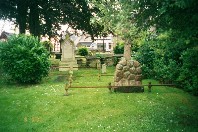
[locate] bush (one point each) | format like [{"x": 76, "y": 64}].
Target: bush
[
  {"x": 115, "y": 61},
  {"x": 24, "y": 59},
  {"x": 171, "y": 60},
  {"x": 166, "y": 71},
  {"x": 83, "y": 51},
  {"x": 48, "y": 45},
  {"x": 189, "y": 71},
  {"x": 119, "y": 48},
  {"x": 146, "y": 56}
]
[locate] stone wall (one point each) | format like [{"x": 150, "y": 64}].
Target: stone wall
[
  {"x": 128, "y": 73},
  {"x": 91, "y": 61}
]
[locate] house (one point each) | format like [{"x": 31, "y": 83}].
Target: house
[
  {"x": 5, "y": 35},
  {"x": 104, "y": 44}
]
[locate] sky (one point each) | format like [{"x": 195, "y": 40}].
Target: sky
[{"x": 8, "y": 26}]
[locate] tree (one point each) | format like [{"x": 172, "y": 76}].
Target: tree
[
  {"x": 45, "y": 16},
  {"x": 180, "y": 15},
  {"x": 116, "y": 19},
  {"x": 175, "y": 44}
]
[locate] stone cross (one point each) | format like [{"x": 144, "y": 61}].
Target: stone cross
[
  {"x": 127, "y": 52},
  {"x": 128, "y": 72}
]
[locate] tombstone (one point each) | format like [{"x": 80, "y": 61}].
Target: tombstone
[
  {"x": 128, "y": 74},
  {"x": 104, "y": 68},
  {"x": 68, "y": 55},
  {"x": 98, "y": 64}
]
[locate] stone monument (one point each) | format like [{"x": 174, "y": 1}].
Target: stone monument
[
  {"x": 68, "y": 54},
  {"x": 128, "y": 74},
  {"x": 104, "y": 68}
]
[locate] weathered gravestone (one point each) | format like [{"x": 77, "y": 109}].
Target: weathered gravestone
[
  {"x": 104, "y": 68},
  {"x": 128, "y": 74},
  {"x": 98, "y": 64},
  {"x": 68, "y": 55}
]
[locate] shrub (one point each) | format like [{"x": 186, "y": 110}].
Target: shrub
[
  {"x": 83, "y": 51},
  {"x": 24, "y": 59},
  {"x": 115, "y": 61},
  {"x": 48, "y": 45},
  {"x": 189, "y": 71},
  {"x": 171, "y": 58},
  {"x": 146, "y": 56},
  {"x": 166, "y": 71},
  {"x": 119, "y": 48}
]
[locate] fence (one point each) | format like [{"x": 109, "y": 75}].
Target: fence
[{"x": 109, "y": 86}]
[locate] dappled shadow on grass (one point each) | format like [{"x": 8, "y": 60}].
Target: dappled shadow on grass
[
  {"x": 9, "y": 83},
  {"x": 61, "y": 78}
]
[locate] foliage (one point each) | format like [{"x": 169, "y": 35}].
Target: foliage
[
  {"x": 175, "y": 24},
  {"x": 117, "y": 21},
  {"x": 119, "y": 48},
  {"x": 145, "y": 55},
  {"x": 110, "y": 15},
  {"x": 24, "y": 59},
  {"x": 170, "y": 59},
  {"x": 83, "y": 51},
  {"x": 115, "y": 61},
  {"x": 189, "y": 70},
  {"x": 45, "y": 16},
  {"x": 178, "y": 15},
  {"x": 162, "y": 31},
  {"x": 48, "y": 45}
]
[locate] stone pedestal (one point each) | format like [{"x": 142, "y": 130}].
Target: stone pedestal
[
  {"x": 65, "y": 66},
  {"x": 128, "y": 74},
  {"x": 68, "y": 60}
]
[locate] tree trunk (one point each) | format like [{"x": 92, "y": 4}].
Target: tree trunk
[
  {"x": 34, "y": 24},
  {"x": 22, "y": 15}
]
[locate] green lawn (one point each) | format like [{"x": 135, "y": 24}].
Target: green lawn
[{"x": 43, "y": 107}]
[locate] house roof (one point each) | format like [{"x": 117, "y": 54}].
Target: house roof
[{"x": 5, "y": 35}]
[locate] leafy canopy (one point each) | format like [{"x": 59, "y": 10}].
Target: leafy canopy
[{"x": 45, "y": 16}]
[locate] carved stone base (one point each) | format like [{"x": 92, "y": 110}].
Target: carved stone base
[
  {"x": 128, "y": 76},
  {"x": 65, "y": 66}
]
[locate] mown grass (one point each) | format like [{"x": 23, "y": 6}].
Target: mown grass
[{"x": 44, "y": 107}]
